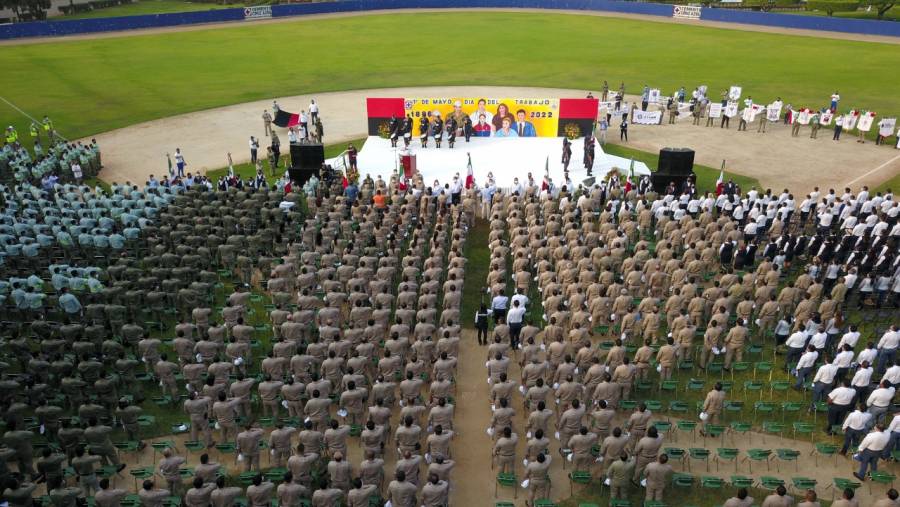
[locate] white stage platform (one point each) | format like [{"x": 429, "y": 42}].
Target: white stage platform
[{"x": 506, "y": 158}]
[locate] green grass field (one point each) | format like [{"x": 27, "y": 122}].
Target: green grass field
[
  {"x": 147, "y": 7},
  {"x": 91, "y": 86}
]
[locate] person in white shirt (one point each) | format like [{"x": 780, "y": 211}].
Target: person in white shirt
[
  {"x": 823, "y": 380},
  {"x": 879, "y": 400},
  {"x": 855, "y": 427},
  {"x": 521, "y": 298},
  {"x": 870, "y": 450},
  {"x": 840, "y": 402},
  {"x": 819, "y": 339},
  {"x": 842, "y": 360},
  {"x": 894, "y": 431},
  {"x": 867, "y": 355},
  {"x": 514, "y": 320},
  {"x": 313, "y": 110},
  {"x": 805, "y": 366},
  {"x": 887, "y": 348},
  {"x": 850, "y": 337},
  {"x": 862, "y": 380},
  {"x": 796, "y": 344},
  {"x": 892, "y": 375}
]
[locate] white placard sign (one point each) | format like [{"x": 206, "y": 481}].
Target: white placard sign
[
  {"x": 803, "y": 117},
  {"x": 731, "y": 110},
  {"x": 646, "y": 117},
  {"x": 715, "y": 110},
  {"x": 865, "y": 122},
  {"x": 826, "y": 118},
  {"x": 258, "y": 12},
  {"x": 734, "y": 93},
  {"x": 886, "y": 127},
  {"x": 773, "y": 111},
  {"x": 686, "y": 11},
  {"x": 850, "y": 120},
  {"x": 653, "y": 97}
]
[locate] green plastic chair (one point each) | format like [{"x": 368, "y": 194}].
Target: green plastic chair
[
  {"x": 662, "y": 426},
  {"x": 507, "y": 480},
  {"x": 824, "y": 449},
  {"x": 726, "y": 454},
  {"x": 743, "y": 428},
  {"x": 881, "y": 477},
  {"x": 683, "y": 480},
  {"x": 770, "y": 483},
  {"x": 675, "y": 453},
  {"x": 740, "y": 481},
  {"x": 802, "y": 428},
  {"x": 840, "y": 484},
  {"x": 758, "y": 455},
  {"x": 733, "y": 406},
  {"x": 709, "y": 482},
  {"x": 669, "y": 386},
  {"x": 619, "y": 502},
  {"x": 787, "y": 455},
  {"x": 714, "y": 368},
  {"x": 714, "y": 430},
  {"x": 695, "y": 384},
  {"x": 698, "y": 453},
  {"x": 740, "y": 367},
  {"x": 580, "y": 477},
  {"x": 678, "y": 407},
  {"x": 687, "y": 427},
  {"x": 773, "y": 428},
  {"x": 753, "y": 386},
  {"x": 764, "y": 407},
  {"x": 141, "y": 474},
  {"x": 628, "y": 405},
  {"x": 246, "y": 478},
  {"x": 503, "y": 504},
  {"x": 802, "y": 484},
  {"x": 789, "y": 406},
  {"x": 643, "y": 386},
  {"x": 779, "y": 385},
  {"x": 543, "y": 502},
  {"x": 275, "y": 474},
  {"x": 762, "y": 367},
  {"x": 194, "y": 446},
  {"x": 653, "y": 405},
  {"x": 654, "y": 503}
]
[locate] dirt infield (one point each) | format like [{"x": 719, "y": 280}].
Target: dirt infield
[
  {"x": 775, "y": 158},
  {"x": 641, "y": 17}
]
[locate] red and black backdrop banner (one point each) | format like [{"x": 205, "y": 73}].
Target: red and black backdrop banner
[
  {"x": 580, "y": 112},
  {"x": 380, "y": 111}
]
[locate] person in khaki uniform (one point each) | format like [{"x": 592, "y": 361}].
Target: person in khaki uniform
[
  {"x": 359, "y": 495},
  {"x": 714, "y": 403},
  {"x": 248, "y": 446},
  {"x": 197, "y": 408},
  {"x": 170, "y": 470},
  {"x": 734, "y": 343},
  {"x": 402, "y": 493},
  {"x": 646, "y": 451},
  {"x": 741, "y": 499},
  {"x": 505, "y": 451},
  {"x": 538, "y": 476},
  {"x": 657, "y": 476},
  {"x": 280, "y": 443},
  {"x": 890, "y": 501},
  {"x": 151, "y": 496},
  {"x": 259, "y": 494},
  {"x": 199, "y": 494},
  {"x": 580, "y": 446},
  {"x": 619, "y": 475},
  {"x": 665, "y": 358},
  {"x": 108, "y": 497},
  {"x": 779, "y": 498},
  {"x": 710, "y": 341}
]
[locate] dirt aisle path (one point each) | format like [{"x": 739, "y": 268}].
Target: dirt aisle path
[{"x": 775, "y": 158}]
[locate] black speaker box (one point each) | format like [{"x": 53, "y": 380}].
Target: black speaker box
[
  {"x": 308, "y": 156},
  {"x": 676, "y": 161}
]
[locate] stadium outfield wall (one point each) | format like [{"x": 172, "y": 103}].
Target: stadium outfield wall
[{"x": 98, "y": 25}]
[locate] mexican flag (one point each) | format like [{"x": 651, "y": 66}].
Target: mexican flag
[{"x": 720, "y": 183}]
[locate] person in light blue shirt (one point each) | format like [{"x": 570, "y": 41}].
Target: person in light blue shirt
[
  {"x": 58, "y": 280},
  {"x": 69, "y": 303},
  {"x": 31, "y": 248},
  {"x": 505, "y": 130},
  {"x": 94, "y": 285},
  {"x": 18, "y": 296},
  {"x": 64, "y": 238},
  {"x": 100, "y": 240},
  {"x": 34, "y": 300},
  {"x": 116, "y": 241},
  {"x": 36, "y": 282}
]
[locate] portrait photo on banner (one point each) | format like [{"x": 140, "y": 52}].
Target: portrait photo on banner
[{"x": 492, "y": 117}]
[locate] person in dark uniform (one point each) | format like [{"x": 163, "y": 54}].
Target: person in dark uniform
[
  {"x": 589, "y": 152},
  {"x": 423, "y": 131},
  {"x": 437, "y": 130},
  {"x": 394, "y": 129},
  {"x": 406, "y": 129},
  {"x": 623, "y": 128},
  {"x": 567, "y": 153},
  {"x": 467, "y": 127},
  {"x": 351, "y": 156},
  {"x": 451, "y": 131}
]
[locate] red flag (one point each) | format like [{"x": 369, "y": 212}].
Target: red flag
[
  {"x": 470, "y": 175},
  {"x": 720, "y": 183}
]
